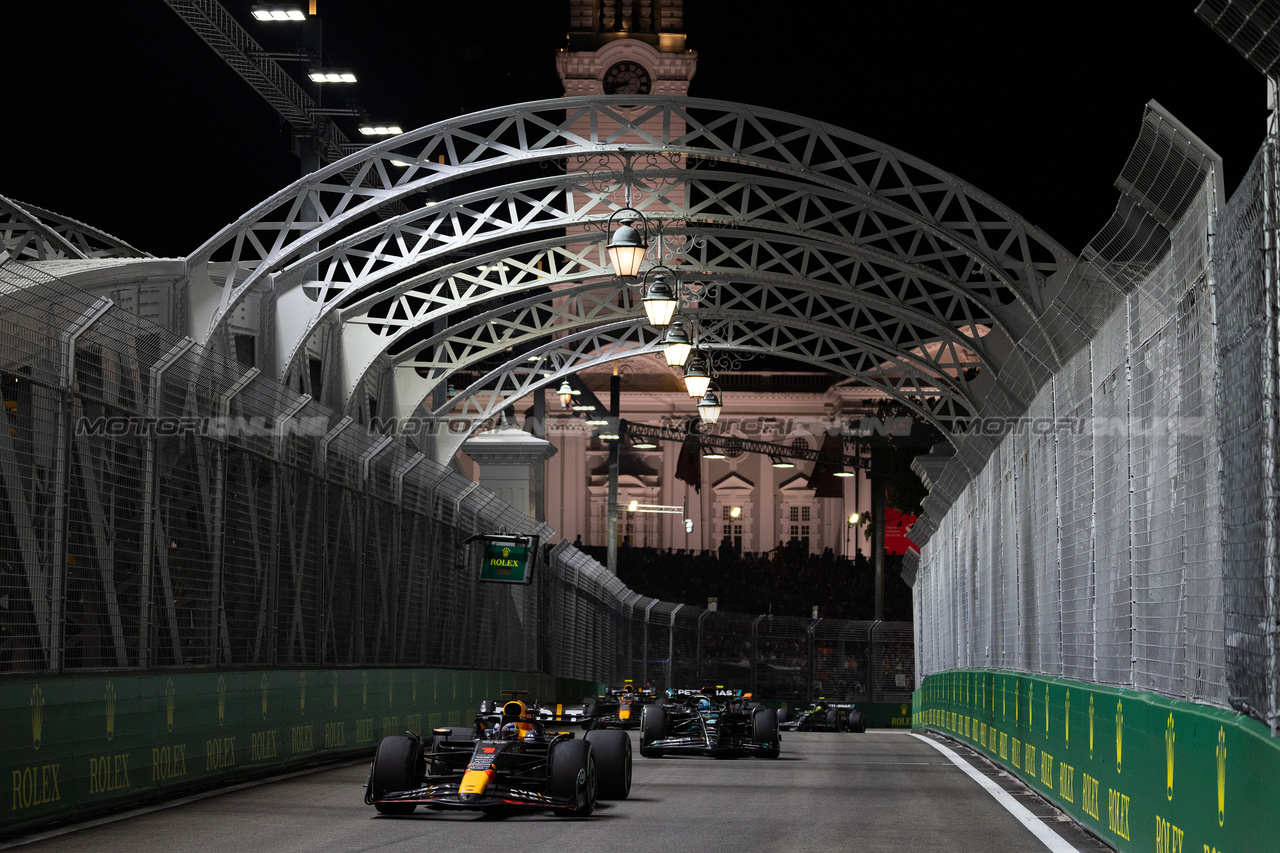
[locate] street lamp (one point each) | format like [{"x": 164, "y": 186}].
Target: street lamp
[
  {"x": 659, "y": 300},
  {"x": 565, "y": 393},
  {"x": 697, "y": 375},
  {"x": 676, "y": 343},
  {"x": 626, "y": 246},
  {"x": 709, "y": 406}
]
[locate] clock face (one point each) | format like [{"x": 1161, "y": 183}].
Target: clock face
[{"x": 626, "y": 78}]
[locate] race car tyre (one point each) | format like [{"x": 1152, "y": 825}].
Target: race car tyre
[
  {"x": 832, "y": 719},
  {"x": 653, "y": 727},
  {"x": 782, "y": 715},
  {"x": 764, "y": 729},
  {"x": 396, "y": 767},
  {"x": 590, "y": 707},
  {"x": 857, "y": 722},
  {"x": 572, "y": 775},
  {"x": 613, "y": 763}
]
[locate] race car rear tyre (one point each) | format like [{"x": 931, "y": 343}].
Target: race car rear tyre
[
  {"x": 572, "y": 775},
  {"x": 653, "y": 727},
  {"x": 782, "y": 715},
  {"x": 857, "y": 722},
  {"x": 613, "y": 763},
  {"x": 764, "y": 729},
  {"x": 397, "y": 766}
]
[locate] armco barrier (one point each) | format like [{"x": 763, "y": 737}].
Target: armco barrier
[
  {"x": 73, "y": 746},
  {"x": 1142, "y": 771}
]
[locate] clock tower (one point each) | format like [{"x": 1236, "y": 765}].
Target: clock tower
[{"x": 626, "y": 47}]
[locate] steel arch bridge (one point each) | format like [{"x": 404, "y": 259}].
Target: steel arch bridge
[{"x": 475, "y": 247}]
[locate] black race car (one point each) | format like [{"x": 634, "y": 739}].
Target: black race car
[
  {"x": 618, "y": 709},
  {"x": 508, "y": 760},
  {"x": 824, "y": 716},
  {"x": 711, "y": 721}
]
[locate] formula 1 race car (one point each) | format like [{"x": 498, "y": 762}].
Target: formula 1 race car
[
  {"x": 824, "y": 716},
  {"x": 508, "y": 760},
  {"x": 711, "y": 721},
  {"x": 617, "y": 709}
]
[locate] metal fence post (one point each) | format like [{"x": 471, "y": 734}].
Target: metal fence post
[
  {"x": 221, "y": 628},
  {"x": 326, "y": 606},
  {"x": 671, "y": 645},
  {"x": 755, "y": 652},
  {"x": 62, "y": 479},
  {"x": 645, "y": 647}
]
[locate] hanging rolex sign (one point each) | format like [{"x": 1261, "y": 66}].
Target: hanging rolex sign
[{"x": 506, "y": 558}]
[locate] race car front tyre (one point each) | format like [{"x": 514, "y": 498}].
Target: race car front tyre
[
  {"x": 397, "y": 767},
  {"x": 572, "y": 772},
  {"x": 782, "y": 715},
  {"x": 764, "y": 730},
  {"x": 653, "y": 727},
  {"x": 613, "y": 763},
  {"x": 857, "y": 722}
]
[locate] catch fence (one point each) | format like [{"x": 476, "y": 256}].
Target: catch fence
[
  {"x": 1134, "y": 543},
  {"x": 164, "y": 507}
]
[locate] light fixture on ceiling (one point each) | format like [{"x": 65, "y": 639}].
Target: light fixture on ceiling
[
  {"x": 697, "y": 375},
  {"x": 709, "y": 406}
]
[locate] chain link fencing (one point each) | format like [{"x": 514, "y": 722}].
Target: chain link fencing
[
  {"x": 165, "y": 507},
  {"x": 1134, "y": 542}
]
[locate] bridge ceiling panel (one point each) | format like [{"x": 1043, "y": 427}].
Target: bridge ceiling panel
[{"x": 849, "y": 253}]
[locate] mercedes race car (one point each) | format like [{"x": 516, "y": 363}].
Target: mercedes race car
[
  {"x": 711, "y": 721},
  {"x": 823, "y": 716},
  {"x": 509, "y": 760}
]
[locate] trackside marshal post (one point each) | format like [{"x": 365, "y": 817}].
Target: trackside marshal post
[{"x": 506, "y": 558}]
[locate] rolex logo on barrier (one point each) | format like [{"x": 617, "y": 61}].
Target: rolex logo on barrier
[
  {"x": 1119, "y": 732},
  {"x": 1222, "y": 775},
  {"x": 302, "y": 692},
  {"x": 170, "y": 694},
  {"x": 37, "y": 716},
  {"x": 1168, "y": 756},
  {"x": 109, "y": 697},
  {"x": 1090, "y": 725},
  {"x": 265, "y": 684},
  {"x": 1066, "y": 718},
  {"x": 222, "y": 699}
]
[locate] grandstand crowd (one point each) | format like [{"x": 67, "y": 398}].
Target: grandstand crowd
[{"x": 785, "y": 581}]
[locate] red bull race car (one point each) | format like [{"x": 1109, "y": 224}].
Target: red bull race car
[
  {"x": 823, "y": 716},
  {"x": 711, "y": 721},
  {"x": 508, "y": 761}
]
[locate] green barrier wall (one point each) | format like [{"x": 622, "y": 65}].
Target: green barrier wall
[
  {"x": 72, "y": 746},
  {"x": 1142, "y": 771}
]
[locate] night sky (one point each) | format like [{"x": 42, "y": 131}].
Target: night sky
[{"x": 121, "y": 117}]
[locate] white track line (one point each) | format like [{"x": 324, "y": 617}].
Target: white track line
[{"x": 1039, "y": 829}]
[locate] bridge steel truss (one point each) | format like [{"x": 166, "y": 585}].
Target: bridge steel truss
[{"x": 471, "y": 252}]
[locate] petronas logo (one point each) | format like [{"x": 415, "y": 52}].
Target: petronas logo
[
  {"x": 1222, "y": 775},
  {"x": 1119, "y": 732},
  {"x": 222, "y": 699},
  {"x": 110, "y": 698},
  {"x": 265, "y": 684},
  {"x": 1168, "y": 756},
  {"x": 170, "y": 697},
  {"x": 302, "y": 692},
  {"x": 37, "y": 715}
]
